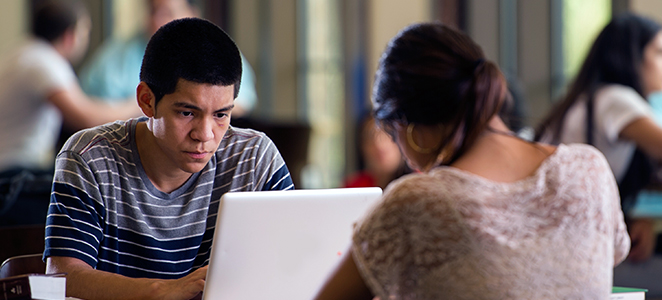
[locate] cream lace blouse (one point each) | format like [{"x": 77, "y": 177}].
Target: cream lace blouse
[{"x": 449, "y": 234}]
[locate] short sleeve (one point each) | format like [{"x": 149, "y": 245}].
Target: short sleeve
[
  {"x": 618, "y": 106},
  {"x": 272, "y": 172},
  {"x": 48, "y": 71},
  {"x": 76, "y": 211},
  {"x": 610, "y": 201},
  {"x": 621, "y": 236}
]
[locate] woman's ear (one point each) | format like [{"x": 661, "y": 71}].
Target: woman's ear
[{"x": 146, "y": 99}]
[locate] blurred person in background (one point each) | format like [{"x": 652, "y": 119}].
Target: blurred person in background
[
  {"x": 380, "y": 159},
  {"x": 112, "y": 72},
  {"x": 606, "y": 107},
  {"x": 39, "y": 92}
]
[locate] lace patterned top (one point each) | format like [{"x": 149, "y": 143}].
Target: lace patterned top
[{"x": 449, "y": 234}]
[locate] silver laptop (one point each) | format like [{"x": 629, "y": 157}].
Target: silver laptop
[{"x": 282, "y": 244}]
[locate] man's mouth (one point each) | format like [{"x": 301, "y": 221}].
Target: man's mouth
[{"x": 197, "y": 155}]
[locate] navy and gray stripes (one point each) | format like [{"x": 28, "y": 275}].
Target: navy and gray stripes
[{"x": 105, "y": 211}]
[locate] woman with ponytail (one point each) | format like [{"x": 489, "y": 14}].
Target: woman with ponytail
[
  {"x": 490, "y": 216},
  {"x": 606, "y": 107}
]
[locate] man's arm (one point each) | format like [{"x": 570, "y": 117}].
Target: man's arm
[
  {"x": 79, "y": 111},
  {"x": 87, "y": 283}
]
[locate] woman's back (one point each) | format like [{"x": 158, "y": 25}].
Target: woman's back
[
  {"x": 492, "y": 216},
  {"x": 453, "y": 234}
]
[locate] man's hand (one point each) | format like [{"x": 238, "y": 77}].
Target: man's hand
[
  {"x": 642, "y": 235},
  {"x": 84, "y": 282},
  {"x": 188, "y": 287}
]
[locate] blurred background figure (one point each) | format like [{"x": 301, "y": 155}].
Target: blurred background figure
[
  {"x": 380, "y": 159},
  {"x": 113, "y": 71},
  {"x": 39, "y": 92},
  {"x": 606, "y": 107}
]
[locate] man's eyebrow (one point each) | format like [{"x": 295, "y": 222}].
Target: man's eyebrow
[
  {"x": 193, "y": 107},
  {"x": 186, "y": 105},
  {"x": 227, "y": 108}
]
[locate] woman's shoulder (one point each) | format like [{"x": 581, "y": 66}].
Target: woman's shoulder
[
  {"x": 578, "y": 157},
  {"x": 579, "y": 149},
  {"x": 617, "y": 93},
  {"x": 420, "y": 187},
  {"x": 617, "y": 89},
  {"x": 410, "y": 201},
  {"x": 575, "y": 152}
]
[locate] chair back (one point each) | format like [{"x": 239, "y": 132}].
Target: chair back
[
  {"x": 22, "y": 264},
  {"x": 19, "y": 240}
]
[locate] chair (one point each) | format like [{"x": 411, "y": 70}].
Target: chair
[
  {"x": 22, "y": 264},
  {"x": 20, "y": 240},
  {"x": 291, "y": 139}
]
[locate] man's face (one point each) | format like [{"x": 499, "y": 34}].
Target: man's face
[{"x": 190, "y": 123}]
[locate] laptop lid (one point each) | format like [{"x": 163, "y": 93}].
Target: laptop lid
[{"x": 282, "y": 244}]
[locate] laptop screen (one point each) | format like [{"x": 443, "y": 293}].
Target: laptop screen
[{"x": 282, "y": 244}]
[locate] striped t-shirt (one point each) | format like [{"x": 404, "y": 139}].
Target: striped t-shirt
[{"x": 105, "y": 211}]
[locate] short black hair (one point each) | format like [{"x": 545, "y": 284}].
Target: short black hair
[
  {"x": 192, "y": 49},
  {"x": 51, "y": 18}
]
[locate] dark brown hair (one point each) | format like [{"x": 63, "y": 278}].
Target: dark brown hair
[{"x": 433, "y": 74}]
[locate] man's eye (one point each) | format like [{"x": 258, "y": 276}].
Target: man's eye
[
  {"x": 186, "y": 113},
  {"x": 221, "y": 115}
]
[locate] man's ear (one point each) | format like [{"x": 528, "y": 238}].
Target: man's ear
[{"x": 146, "y": 99}]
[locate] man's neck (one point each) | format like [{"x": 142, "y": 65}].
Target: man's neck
[
  {"x": 164, "y": 176},
  {"x": 61, "y": 48}
]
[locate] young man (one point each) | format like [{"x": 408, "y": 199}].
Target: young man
[
  {"x": 39, "y": 92},
  {"x": 134, "y": 203}
]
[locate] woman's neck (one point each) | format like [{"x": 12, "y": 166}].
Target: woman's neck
[{"x": 499, "y": 155}]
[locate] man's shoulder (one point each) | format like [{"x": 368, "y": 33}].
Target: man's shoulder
[
  {"x": 110, "y": 135},
  {"x": 244, "y": 135}
]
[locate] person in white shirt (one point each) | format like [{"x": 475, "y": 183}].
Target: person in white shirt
[
  {"x": 39, "y": 92},
  {"x": 606, "y": 107}
]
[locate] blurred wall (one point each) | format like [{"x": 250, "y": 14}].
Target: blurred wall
[
  {"x": 534, "y": 67},
  {"x": 13, "y": 22},
  {"x": 266, "y": 33},
  {"x": 385, "y": 19},
  {"x": 531, "y": 44},
  {"x": 483, "y": 26},
  {"x": 128, "y": 17},
  {"x": 650, "y": 8}
]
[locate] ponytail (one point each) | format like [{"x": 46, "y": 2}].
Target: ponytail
[
  {"x": 432, "y": 74},
  {"x": 482, "y": 102}
]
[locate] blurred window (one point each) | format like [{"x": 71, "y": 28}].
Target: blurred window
[
  {"x": 321, "y": 85},
  {"x": 582, "y": 22}
]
